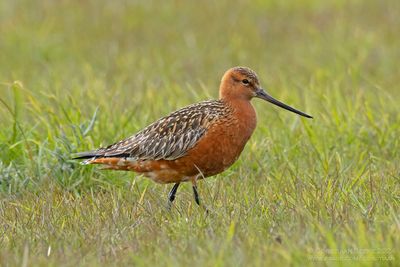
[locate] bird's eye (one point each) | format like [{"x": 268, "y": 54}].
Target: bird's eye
[{"x": 245, "y": 82}]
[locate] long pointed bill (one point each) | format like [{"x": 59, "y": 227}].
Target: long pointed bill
[{"x": 263, "y": 95}]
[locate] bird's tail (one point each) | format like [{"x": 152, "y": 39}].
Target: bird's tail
[
  {"x": 88, "y": 155},
  {"x": 91, "y": 156}
]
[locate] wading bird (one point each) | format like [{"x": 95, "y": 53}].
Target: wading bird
[{"x": 194, "y": 142}]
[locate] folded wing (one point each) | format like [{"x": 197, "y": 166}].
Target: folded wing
[{"x": 168, "y": 138}]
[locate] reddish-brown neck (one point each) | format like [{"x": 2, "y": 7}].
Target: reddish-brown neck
[{"x": 245, "y": 115}]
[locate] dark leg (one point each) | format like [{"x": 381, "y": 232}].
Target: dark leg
[
  {"x": 196, "y": 194},
  {"x": 171, "y": 195}
]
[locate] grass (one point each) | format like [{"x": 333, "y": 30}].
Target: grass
[{"x": 75, "y": 75}]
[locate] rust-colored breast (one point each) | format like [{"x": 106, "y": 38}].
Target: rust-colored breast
[{"x": 222, "y": 144}]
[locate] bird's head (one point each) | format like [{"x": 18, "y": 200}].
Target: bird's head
[{"x": 242, "y": 83}]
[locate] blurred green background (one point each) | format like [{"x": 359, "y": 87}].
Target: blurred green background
[{"x": 75, "y": 75}]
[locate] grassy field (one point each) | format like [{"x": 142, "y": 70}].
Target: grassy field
[{"x": 75, "y": 75}]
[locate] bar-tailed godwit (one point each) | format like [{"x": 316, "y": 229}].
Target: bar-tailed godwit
[{"x": 194, "y": 142}]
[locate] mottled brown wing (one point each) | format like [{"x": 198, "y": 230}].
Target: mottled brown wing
[{"x": 168, "y": 138}]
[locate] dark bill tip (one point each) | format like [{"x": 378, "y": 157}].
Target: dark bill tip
[{"x": 263, "y": 95}]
